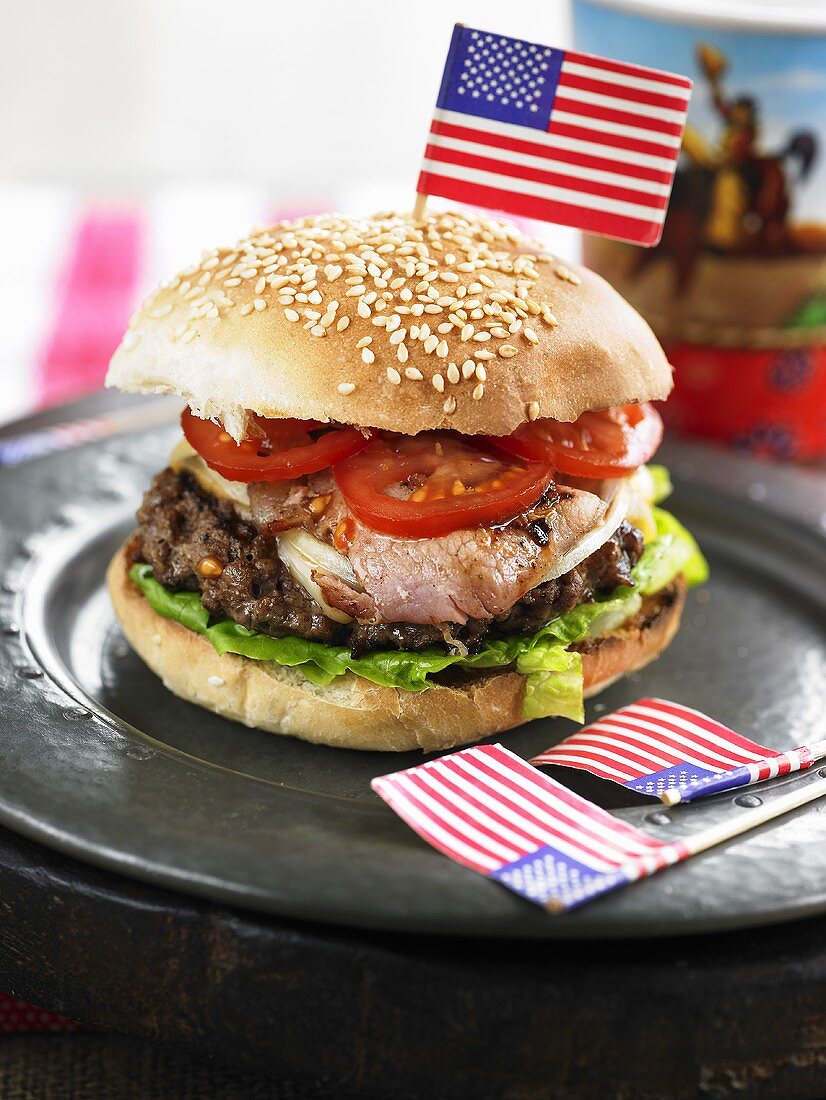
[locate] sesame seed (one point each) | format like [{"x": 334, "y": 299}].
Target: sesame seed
[
  {"x": 394, "y": 376},
  {"x": 397, "y": 270},
  {"x": 130, "y": 340},
  {"x": 450, "y": 405},
  {"x": 533, "y": 410},
  {"x": 368, "y": 356},
  {"x": 481, "y": 373},
  {"x": 188, "y": 335},
  {"x": 438, "y": 383},
  {"x": 346, "y": 388},
  {"x": 478, "y": 392}
]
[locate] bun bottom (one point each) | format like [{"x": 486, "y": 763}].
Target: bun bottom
[{"x": 354, "y": 713}]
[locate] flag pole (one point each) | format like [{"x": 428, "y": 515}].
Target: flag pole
[
  {"x": 747, "y": 774},
  {"x": 732, "y": 827},
  {"x": 418, "y": 209}
]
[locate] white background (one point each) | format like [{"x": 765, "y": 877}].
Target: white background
[{"x": 116, "y": 96}]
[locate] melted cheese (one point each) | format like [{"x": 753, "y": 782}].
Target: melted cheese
[{"x": 184, "y": 459}]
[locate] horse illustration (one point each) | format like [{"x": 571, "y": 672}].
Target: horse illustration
[{"x": 732, "y": 199}]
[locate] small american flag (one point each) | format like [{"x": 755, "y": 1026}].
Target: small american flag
[
  {"x": 489, "y": 810},
  {"x": 555, "y": 135},
  {"x": 653, "y": 746}
]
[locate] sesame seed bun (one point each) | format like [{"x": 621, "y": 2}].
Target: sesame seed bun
[
  {"x": 354, "y": 713},
  {"x": 324, "y": 318}
]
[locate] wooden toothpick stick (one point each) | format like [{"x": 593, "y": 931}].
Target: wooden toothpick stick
[{"x": 418, "y": 209}]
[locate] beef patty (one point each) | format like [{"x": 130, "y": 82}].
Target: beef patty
[{"x": 180, "y": 525}]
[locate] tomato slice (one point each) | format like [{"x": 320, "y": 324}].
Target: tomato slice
[
  {"x": 286, "y": 449},
  {"x": 608, "y": 443},
  {"x": 430, "y": 484}
]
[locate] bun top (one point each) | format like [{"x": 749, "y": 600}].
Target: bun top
[{"x": 452, "y": 321}]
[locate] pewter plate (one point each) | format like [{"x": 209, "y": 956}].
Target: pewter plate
[{"x": 98, "y": 760}]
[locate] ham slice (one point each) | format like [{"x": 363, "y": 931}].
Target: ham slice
[{"x": 468, "y": 574}]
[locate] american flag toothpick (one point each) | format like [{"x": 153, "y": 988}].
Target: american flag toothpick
[
  {"x": 488, "y": 810},
  {"x": 555, "y": 135},
  {"x": 673, "y": 752}
]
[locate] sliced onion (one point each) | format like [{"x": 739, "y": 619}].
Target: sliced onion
[
  {"x": 593, "y": 539},
  {"x": 185, "y": 457},
  {"x": 611, "y": 620},
  {"x": 303, "y": 555}
]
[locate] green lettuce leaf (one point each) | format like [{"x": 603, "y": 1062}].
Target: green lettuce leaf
[
  {"x": 662, "y": 482},
  {"x": 553, "y": 673}
]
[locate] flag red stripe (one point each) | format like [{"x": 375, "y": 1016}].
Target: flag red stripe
[
  {"x": 433, "y": 792},
  {"x": 594, "y": 769},
  {"x": 619, "y": 91},
  {"x": 635, "y": 756},
  {"x": 670, "y": 716},
  {"x": 702, "y": 750},
  {"x": 539, "y": 175},
  {"x": 564, "y": 827},
  {"x": 566, "y": 156},
  {"x": 638, "y": 230},
  {"x": 628, "y": 69},
  {"x": 414, "y": 796},
  {"x": 616, "y": 141},
  {"x": 623, "y": 118},
  {"x": 530, "y": 832},
  {"x": 573, "y": 833},
  {"x": 702, "y": 720},
  {"x": 389, "y": 790},
  {"x": 545, "y": 790}
]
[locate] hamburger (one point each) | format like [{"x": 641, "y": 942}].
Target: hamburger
[{"x": 412, "y": 503}]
